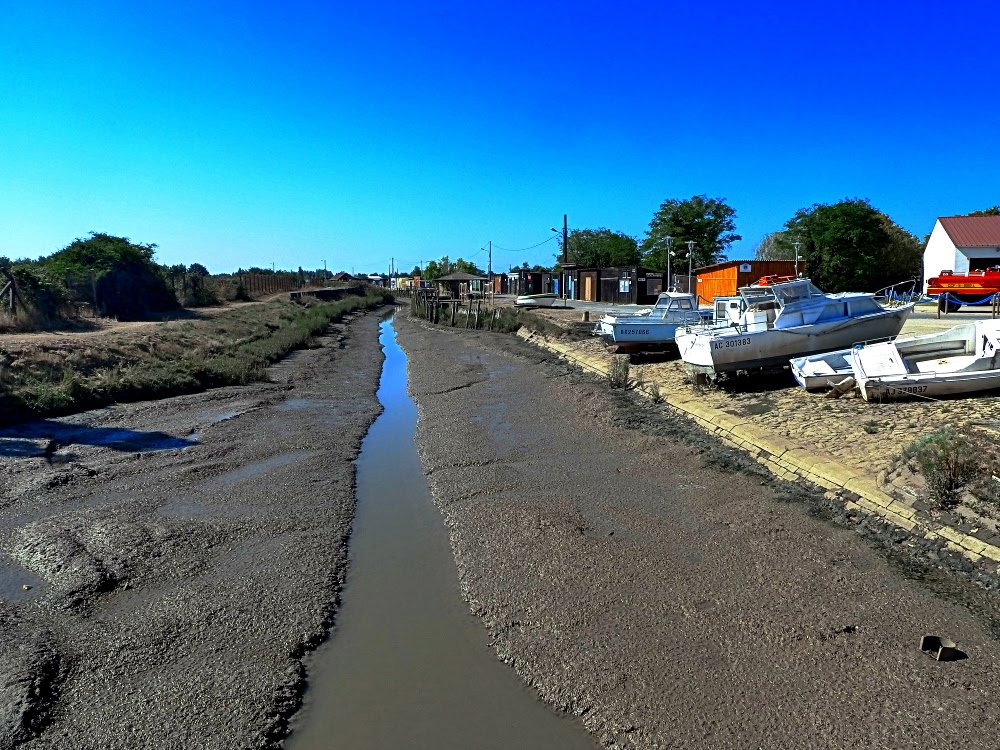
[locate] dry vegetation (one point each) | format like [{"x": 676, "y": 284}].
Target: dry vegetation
[{"x": 63, "y": 375}]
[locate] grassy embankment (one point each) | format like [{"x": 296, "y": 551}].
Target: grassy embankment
[{"x": 171, "y": 358}]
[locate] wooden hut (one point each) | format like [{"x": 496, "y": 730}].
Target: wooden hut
[{"x": 723, "y": 279}]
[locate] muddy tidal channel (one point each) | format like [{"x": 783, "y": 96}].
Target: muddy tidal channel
[{"x": 408, "y": 665}]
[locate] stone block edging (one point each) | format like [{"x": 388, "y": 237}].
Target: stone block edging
[{"x": 788, "y": 461}]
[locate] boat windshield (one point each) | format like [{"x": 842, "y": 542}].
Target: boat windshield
[
  {"x": 795, "y": 291},
  {"x": 782, "y": 294}
]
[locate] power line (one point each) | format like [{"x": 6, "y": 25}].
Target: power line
[{"x": 508, "y": 250}]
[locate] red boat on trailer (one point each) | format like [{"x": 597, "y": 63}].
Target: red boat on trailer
[{"x": 965, "y": 288}]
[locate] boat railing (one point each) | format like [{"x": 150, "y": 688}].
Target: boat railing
[{"x": 898, "y": 294}]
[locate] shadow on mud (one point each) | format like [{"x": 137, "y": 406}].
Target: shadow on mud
[{"x": 21, "y": 441}]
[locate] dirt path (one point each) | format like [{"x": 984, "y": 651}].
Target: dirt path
[
  {"x": 180, "y": 557},
  {"x": 629, "y": 569}
]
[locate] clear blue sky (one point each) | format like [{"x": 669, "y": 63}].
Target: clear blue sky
[{"x": 238, "y": 134}]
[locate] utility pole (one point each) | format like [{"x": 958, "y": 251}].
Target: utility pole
[
  {"x": 565, "y": 256},
  {"x": 670, "y": 244},
  {"x": 489, "y": 267},
  {"x": 690, "y": 244}
]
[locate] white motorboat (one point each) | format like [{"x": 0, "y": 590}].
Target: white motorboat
[
  {"x": 960, "y": 360},
  {"x": 653, "y": 327},
  {"x": 820, "y": 371},
  {"x": 536, "y": 300},
  {"x": 786, "y": 318}
]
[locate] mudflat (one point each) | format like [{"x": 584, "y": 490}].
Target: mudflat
[
  {"x": 165, "y": 566},
  {"x": 650, "y": 580}
]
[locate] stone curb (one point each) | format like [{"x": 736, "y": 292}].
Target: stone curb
[{"x": 788, "y": 461}]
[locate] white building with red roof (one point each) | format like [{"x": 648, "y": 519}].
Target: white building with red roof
[{"x": 962, "y": 244}]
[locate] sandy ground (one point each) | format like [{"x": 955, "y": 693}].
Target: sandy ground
[
  {"x": 635, "y": 572},
  {"x": 867, "y": 436},
  {"x": 182, "y": 556}
]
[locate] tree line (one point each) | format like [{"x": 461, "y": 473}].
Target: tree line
[
  {"x": 847, "y": 245},
  {"x": 115, "y": 277}
]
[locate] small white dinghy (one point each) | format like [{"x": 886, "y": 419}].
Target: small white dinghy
[
  {"x": 537, "y": 300},
  {"x": 961, "y": 360},
  {"x": 818, "y": 372}
]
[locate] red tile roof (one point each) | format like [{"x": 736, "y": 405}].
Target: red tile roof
[{"x": 972, "y": 231}]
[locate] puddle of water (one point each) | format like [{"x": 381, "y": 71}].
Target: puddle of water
[
  {"x": 259, "y": 468},
  {"x": 407, "y": 665},
  {"x": 14, "y": 440},
  {"x": 13, "y": 579}
]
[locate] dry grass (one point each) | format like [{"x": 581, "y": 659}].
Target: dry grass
[{"x": 170, "y": 358}]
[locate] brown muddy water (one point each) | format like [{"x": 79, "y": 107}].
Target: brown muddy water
[{"x": 407, "y": 665}]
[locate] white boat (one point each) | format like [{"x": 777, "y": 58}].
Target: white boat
[
  {"x": 821, "y": 371},
  {"x": 536, "y": 300},
  {"x": 784, "y": 319},
  {"x": 960, "y": 360},
  {"x": 653, "y": 327}
]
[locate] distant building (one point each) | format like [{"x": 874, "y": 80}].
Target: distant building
[
  {"x": 342, "y": 277},
  {"x": 723, "y": 279},
  {"x": 961, "y": 244}
]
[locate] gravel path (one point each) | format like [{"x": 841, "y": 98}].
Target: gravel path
[
  {"x": 182, "y": 556},
  {"x": 635, "y": 573}
]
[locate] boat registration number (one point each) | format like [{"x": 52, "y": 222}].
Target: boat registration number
[
  {"x": 636, "y": 331},
  {"x": 727, "y": 344},
  {"x": 909, "y": 388}
]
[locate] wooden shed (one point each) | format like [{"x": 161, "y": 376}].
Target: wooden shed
[
  {"x": 631, "y": 285},
  {"x": 723, "y": 279}
]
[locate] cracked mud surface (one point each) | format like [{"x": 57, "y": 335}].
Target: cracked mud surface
[
  {"x": 180, "y": 556},
  {"x": 632, "y": 570}
]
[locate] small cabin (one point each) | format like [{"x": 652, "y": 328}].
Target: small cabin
[{"x": 725, "y": 279}]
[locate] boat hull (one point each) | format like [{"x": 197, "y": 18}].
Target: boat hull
[
  {"x": 962, "y": 360},
  {"x": 536, "y": 300},
  {"x": 733, "y": 349},
  {"x": 821, "y": 371},
  {"x": 931, "y": 385},
  {"x": 641, "y": 330}
]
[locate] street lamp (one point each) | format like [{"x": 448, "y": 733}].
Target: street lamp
[
  {"x": 670, "y": 243},
  {"x": 690, "y": 244},
  {"x": 565, "y": 260},
  {"x": 325, "y": 275},
  {"x": 797, "y": 245}
]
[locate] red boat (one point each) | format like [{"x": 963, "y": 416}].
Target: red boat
[{"x": 965, "y": 288}]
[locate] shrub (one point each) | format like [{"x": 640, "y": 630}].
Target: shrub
[
  {"x": 948, "y": 461},
  {"x": 618, "y": 371}
]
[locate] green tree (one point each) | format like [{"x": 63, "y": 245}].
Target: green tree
[
  {"x": 850, "y": 245},
  {"x": 601, "y": 248},
  {"x": 117, "y": 276},
  {"x": 773, "y": 247},
  {"x": 709, "y": 222},
  {"x": 465, "y": 266},
  {"x": 432, "y": 270},
  {"x": 992, "y": 211}
]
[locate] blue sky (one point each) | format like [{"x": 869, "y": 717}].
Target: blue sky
[{"x": 239, "y": 134}]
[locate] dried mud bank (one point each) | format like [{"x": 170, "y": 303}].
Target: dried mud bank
[
  {"x": 639, "y": 573},
  {"x": 164, "y": 566}
]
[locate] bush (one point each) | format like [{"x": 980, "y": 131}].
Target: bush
[
  {"x": 949, "y": 462},
  {"x": 618, "y": 371}
]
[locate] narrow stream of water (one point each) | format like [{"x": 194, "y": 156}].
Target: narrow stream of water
[{"x": 407, "y": 665}]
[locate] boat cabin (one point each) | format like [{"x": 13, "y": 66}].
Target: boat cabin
[{"x": 785, "y": 304}]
